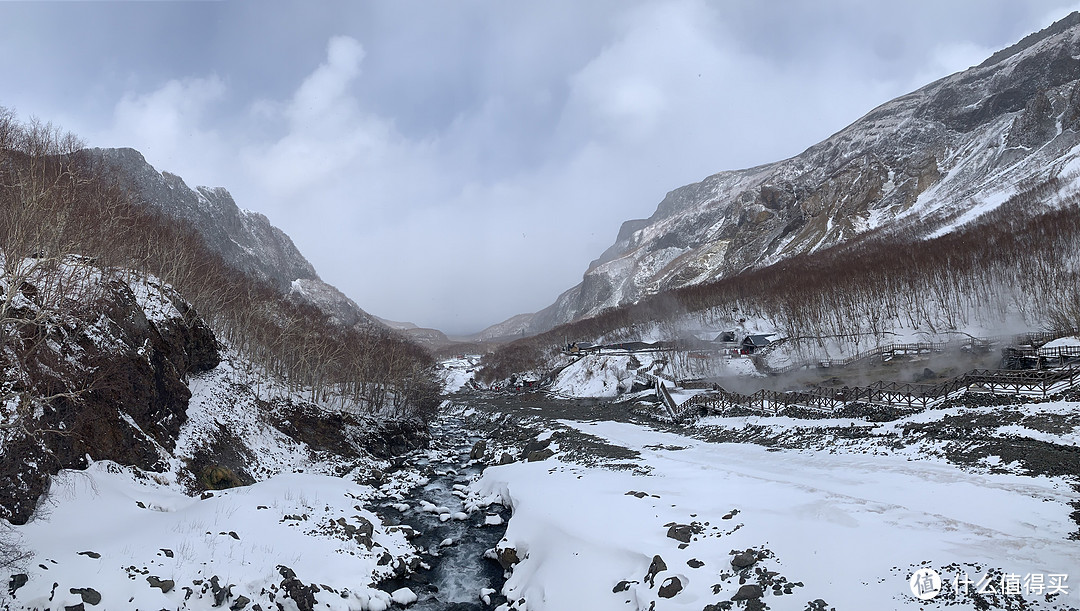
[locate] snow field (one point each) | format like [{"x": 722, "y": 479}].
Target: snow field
[
  {"x": 143, "y": 529},
  {"x": 849, "y": 527}
]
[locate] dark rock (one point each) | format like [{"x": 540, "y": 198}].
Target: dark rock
[
  {"x": 506, "y": 458},
  {"x": 220, "y": 594},
  {"x": 694, "y": 563},
  {"x": 622, "y": 586},
  {"x": 744, "y": 559},
  {"x": 749, "y": 591},
  {"x": 538, "y": 455},
  {"x": 535, "y": 445},
  {"x": 478, "y": 450},
  {"x": 365, "y": 530},
  {"x": 351, "y": 435},
  {"x": 680, "y": 532},
  {"x": 508, "y": 557},
  {"x": 78, "y": 607},
  {"x": 240, "y": 602},
  {"x": 657, "y": 565},
  {"x": 303, "y": 596},
  {"x": 17, "y": 581},
  {"x": 93, "y": 555},
  {"x": 138, "y": 400},
  {"x": 165, "y": 585},
  {"x": 409, "y": 532},
  {"x": 671, "y": 586},
  {"x": 168, "y": 552},
  {"x": 89, "y": 596}
]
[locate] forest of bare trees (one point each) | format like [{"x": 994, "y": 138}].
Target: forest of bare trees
[
  {"x": 59, "y": 206},
  {"x": 1021, "y": 261}
]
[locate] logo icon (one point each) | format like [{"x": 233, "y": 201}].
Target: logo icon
[{"x": 925, "y": 584}]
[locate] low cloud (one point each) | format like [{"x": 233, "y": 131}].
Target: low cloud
[{"x": 454, "y": 178}]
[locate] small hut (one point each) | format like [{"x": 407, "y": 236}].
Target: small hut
[{"x": 753, "y": 343}]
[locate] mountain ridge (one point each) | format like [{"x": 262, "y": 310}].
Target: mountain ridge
[
  {"x": 922, "y": 163},
  {"x": 245, "y": 239}
]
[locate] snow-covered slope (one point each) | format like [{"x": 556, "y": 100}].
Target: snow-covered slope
[{"x": 921, "y": 164}]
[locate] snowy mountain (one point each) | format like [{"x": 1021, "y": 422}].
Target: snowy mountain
[
  {"x": 245, "y": 239},
  {"x": 920, "y": 165}
]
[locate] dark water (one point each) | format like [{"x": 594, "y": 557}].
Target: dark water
[{"x": 458, "y": 571}]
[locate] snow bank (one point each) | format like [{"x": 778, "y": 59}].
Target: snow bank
[
  {"x": 108, "y": 530},
  {"x": 850, "y": 528},
  {"x": 595, "y": 375},
  {"x": 456, "y": 373},
  {"x": 1063, "y": 342}
]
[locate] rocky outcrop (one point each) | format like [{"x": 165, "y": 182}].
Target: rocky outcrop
[
  {"x": 104, "y": 383},
  {"x": 246, "y": 240},
  {"x": 913, "y": 166}
]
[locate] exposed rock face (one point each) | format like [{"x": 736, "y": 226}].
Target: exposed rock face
[
  {"x": 117, "y": 378},
  {"x": 916, "y": 165},
  {"x": 245, "y": 239}
]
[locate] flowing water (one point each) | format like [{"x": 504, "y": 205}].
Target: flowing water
[{"x": 459, "y": 571}]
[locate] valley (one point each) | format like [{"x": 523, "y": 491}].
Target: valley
[{"x": 844, "y": 379}]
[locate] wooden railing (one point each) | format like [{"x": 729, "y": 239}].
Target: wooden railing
[
  {"x": 1028, "y": 341},
  {"x": 894, "y": 394}
]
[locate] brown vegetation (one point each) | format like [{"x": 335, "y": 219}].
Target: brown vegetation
[{"x": 56, "y": 201}]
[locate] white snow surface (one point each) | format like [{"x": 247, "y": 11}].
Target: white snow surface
[
  {"x": 1062, "y": 342},
  {"x": 142, "y": 528},
  {"x": 595, "y": 375},
  {"x": 455, "y": 373},
  {"x": 851, "y": 526}
]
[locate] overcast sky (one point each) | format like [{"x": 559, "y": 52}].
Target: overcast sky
[{"x": 455, "y": 163}]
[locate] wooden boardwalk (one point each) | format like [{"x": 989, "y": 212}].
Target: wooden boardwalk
[
  {"x": 1029, "y": 383},
  {"x": 1028, "y": 344}
]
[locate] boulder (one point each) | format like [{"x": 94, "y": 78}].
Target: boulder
[
  {"x": 749, "y": 591},
  {"x": 507, "y": 556},
  {"x": 538, "y": 455},
  {"x": 403, "y": 597},
  {"x": 165, "y": 585},
  {"x": 535, "y": 445},
  {"x": 303, "y": 596},
  {"x": 671, "y": 586},
  {"x": 743, "y": 560},
  {"x": 89, "y": 596},
  {"x": 655, "y": 567},
  {"x": 478, "y": 450},
  {"x": 17, "y": 581},
  {"x": 680, "y": 532}
]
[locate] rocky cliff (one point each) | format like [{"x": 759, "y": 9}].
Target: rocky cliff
[
  {"x": 246, "y": 240},
  {"x": 921, "y": 165},
  {"x": 100, "y": 379}
]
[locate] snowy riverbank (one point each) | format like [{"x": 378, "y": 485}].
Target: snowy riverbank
[{"x": 846, "y": 525}]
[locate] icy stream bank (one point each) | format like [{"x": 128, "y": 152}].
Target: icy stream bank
[{"x": 454, "y": 536}]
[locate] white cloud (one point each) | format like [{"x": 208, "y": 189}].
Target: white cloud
[
  {"x": 167, "y": 124},
  {"x": 456, "y": 185}
]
